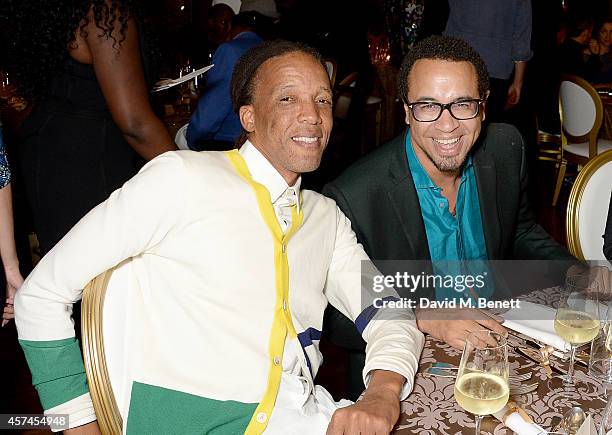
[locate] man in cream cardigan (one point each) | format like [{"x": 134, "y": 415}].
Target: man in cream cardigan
[{"x": 233, "y": 266}]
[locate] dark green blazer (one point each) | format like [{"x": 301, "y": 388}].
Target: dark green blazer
[{"x": 378, "y": 195}]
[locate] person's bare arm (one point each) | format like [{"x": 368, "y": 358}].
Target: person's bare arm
[
  {"x": 118, "y": 68},
  {"x": 87, "y": 429},
  {"x": 514, "y": 92},
  {"x": 8, "y": 252}
]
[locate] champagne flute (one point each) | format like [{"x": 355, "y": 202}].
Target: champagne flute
[
  {"x": 482, "y": 380},
  {"x": 577, "y": 318}
]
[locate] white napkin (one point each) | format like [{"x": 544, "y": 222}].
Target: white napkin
[
  {"x": 536, "y": 321},
  {"x": 516, "y": 422},
  {"x": 588, "y": 427}
]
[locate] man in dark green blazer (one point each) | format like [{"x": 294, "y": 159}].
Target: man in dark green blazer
[{"x": 443, "y": 187}]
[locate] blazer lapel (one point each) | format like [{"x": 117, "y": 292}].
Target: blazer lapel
[
  {"x": 486, "y": 180},
  {"x": 405, "y": 203}
]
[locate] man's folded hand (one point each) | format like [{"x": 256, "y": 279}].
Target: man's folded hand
[
  {"x": 376, "y": 412},
  {"x": 452, "y": 325}
]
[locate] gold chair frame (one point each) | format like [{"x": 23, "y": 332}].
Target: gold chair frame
[
  {"x": 575, "y": 199},
  {"x": 100, "y": 389},
  {"x": 590, "y": 137}
]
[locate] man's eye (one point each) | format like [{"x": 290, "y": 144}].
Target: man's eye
[
  {"x": 286, "y": 99},
  {"x": 426, "y": 106},
  {"x": 324, "y": 101}
]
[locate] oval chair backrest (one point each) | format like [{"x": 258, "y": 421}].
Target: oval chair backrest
[
  {"x": 105, "y": 331},
  {"x": 578, "y": 107},
  {"x": 346, "y": 89},
  {"x": 330, "y": 67},
  {"x": 587, "y": 208},
  {"x": 181, "y": 138}
]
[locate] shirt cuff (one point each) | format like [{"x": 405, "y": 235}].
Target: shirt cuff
[{"x": 80, "y": 411}]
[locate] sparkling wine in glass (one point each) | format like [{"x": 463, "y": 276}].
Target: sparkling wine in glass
[
  {"x": 577, "y": 318},
  {"x": 481, "y": 386}
]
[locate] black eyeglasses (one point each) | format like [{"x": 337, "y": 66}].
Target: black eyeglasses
[{"x": 427, "y": 111}]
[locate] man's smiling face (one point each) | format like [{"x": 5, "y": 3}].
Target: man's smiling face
[
  {"x": 290, "y": 119},
  {"x": 444, "y": 144}
]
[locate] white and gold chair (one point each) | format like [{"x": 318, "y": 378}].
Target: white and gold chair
[
  {"x": 181, "y": 138},
  {"x": 105, "y": 333},
  {"x": 581, "y": 117},
  {"x": 587, "y": 208}
]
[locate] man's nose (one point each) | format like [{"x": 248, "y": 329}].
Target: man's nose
[
  {"x": 446, "y": 122},
  {"x": 310, "y": 113}
]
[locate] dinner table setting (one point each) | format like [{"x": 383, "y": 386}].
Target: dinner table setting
[{"x": 551, "y": 373}]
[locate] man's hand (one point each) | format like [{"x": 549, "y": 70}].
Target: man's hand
[
  {"x": 378, "y": 410},
  {"x": 514, "y": 95},
  {"x": 514, "y": 91},
  {"x": 452, "y": 325},
  {"x": 14, "y": 280}
]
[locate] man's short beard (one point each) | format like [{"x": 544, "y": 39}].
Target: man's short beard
[{"x": 447, "y": 165}]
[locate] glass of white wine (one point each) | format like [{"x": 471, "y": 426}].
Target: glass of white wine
[
  {"x": 577, "y": 318},
  {"x": 482, "y": 380}
]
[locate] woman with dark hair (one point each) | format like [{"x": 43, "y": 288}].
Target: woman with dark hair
[
  {"x": 79, "y": 64},
  {"x": 599, "y": 54}
]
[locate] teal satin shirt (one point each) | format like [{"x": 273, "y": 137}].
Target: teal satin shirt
[{"x": 453, "y": 238}]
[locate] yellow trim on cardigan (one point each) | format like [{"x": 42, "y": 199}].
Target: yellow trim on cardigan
[{"x": 282, "y": 323}]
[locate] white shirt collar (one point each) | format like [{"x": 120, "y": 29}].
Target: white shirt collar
[{"x": 264, "y": 173}]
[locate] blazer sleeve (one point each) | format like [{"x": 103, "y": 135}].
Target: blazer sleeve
[{"x": 133, "y": 220}]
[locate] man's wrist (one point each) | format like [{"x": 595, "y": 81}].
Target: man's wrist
[
  {"x": 421, "y": 318},
  {"x": 386, "y": 380}
]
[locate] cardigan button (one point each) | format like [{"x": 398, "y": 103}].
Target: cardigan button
[
  {"x": 277, "y": 361},
  {"x": 261, "y": 417}
]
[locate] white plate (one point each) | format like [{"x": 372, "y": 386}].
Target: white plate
[{"x": 168, "y": 83}]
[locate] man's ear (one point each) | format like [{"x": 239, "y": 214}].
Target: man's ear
[
  {"x": 247, "y": 118},
  {"x": 406, "y": 114},
  {"x": 484, "y": 104}
]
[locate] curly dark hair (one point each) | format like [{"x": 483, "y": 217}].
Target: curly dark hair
[
  {"x": 442, "y": 48},
  {"x": 38, "y": 35},
  {"x": 245, "y": 72}
]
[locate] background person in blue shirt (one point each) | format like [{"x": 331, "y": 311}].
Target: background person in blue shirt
[
  {"x": 214, "y": 125},
  {"x": 501, "y": 34}
]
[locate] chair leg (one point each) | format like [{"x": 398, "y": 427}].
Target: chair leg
[{"x": 560, "y": 178}]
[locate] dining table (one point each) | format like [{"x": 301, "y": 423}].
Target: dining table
[{"x": 431, "y": 408}]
